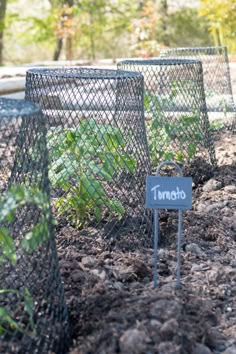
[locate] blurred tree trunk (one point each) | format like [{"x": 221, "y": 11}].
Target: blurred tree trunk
[
  {"x": 91, "y": 37},
  {"x": 163, "y": 10},
  {"x": 57, "y": 52},
  {"x": 69, "y": 39},
  {"x": 3, "y": 7},
  {"x": 69, "y": 48}
]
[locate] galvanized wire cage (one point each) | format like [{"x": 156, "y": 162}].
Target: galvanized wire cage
[
  {"x": 33, "y": 315},
  {"x": 97, "y": 146},
  {"x": 217, "y": 81},
  {"x": 175, "y": 111}
]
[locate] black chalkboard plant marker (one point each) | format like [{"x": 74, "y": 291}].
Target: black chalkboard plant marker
[{"x": 168, "y": 193}]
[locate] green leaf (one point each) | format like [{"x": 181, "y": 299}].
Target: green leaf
[
  {"x": 9, "y": 291},
  {"x": 29, "y": 307},
  {"x": 117, "y": 207},
  {"x": 146, "y": 102},
  {"x": 109, "y": 163},
  {"x": 36, "y": 237},
  {"x": 7, "y": 246},
  {"x": 129, "y": 164},
  {"x": 29, "y": 303},
  {"x": 98, "y": 214},
  {"x": 198, "y": 136},
  {"x": 99, "y": 170},
  {"x": 5, "y": 318},
  {"x": 92, "y": 188},
  {"x": 189, "y": 120},
  {"x": 113, "y": 140},
  {"x": 125, "y": 162},
  {"x": 179, "y": 156},
  {"x": 169, "y": 156},
  {"x": 155, "y": 124},
  {"x": 191, "y": 150}
]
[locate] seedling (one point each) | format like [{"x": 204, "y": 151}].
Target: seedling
[
  {"x": 18, "y": 197},
  {"x": 175, "y": 139},
  {"x": 83, "y": 161}
]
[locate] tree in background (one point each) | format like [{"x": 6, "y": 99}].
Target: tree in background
[
  {"x": 222, "y": 21},
  {"x": 102, "y": 23},
  {"x": 118, "y": 30},
  {"x": 163, "y": 22},
  {"x": 3, "y": 7},
  {"x": 144, "y": 29},
  {"x": 93, "y": 17},
  {"x": 93, "y": 29},
  {"x": 89, "y": 26},
  {"x": 80, "y": 28},
  {"x": 187, "y": 29},
  {"x": 64, "y": 27},
  {"x": 57, "y": 27},
  {"x": 156, "y": 26}
]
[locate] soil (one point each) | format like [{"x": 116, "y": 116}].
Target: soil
[{"x": 112, "y": 305}]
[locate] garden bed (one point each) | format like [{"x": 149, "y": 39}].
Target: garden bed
[{"x": 112, "y": 305}]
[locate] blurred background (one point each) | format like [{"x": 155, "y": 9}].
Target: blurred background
[{"x": 88, "y": 30}]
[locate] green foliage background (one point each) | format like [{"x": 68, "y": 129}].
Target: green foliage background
[{"x": 96, "y": 29}]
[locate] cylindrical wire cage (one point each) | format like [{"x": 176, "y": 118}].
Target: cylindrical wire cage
[
  {"x": 175, "y": 111},
  {"x": 33, "y": 314},
  {"x": 217, "y": 81},
  {"x": 97, "y": 144}
]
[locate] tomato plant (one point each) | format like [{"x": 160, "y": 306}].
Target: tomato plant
[
  {"x": 176, "y": 138},
  {"x": 15, "y": 198},
  {"x": 83, "y": 161}
]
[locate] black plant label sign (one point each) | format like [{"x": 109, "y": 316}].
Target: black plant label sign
[{"x": 168, "y": 192}]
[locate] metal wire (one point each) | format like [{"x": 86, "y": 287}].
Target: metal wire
[
  {"x": 175, "y": 111},
  {"x": 98, "y": 150},
  {"x": 217, "y": 81},
  {"x": 33, "y": 314}
]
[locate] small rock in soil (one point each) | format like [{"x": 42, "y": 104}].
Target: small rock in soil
[
  {"x": 133, "y": 341},
  {"x": 230, "y": 189},
  {"x": 212, "y": 185},
  {"x": 162, "y": 254},
  {"x": 89, "y": 261},
  {"x": 168, "y": 348},
  {"x": 230, "y": 350},
  {"x": 196, "y": 268},
  {"x": 78, "y": 276},
  {"x": 172, "y": 309},
  {"x": 194, "y": 248},
  {"x": 201, "y": 349},
  {"x": 99, "y": 273},
  {"x": 156, "y": 324},
  {"x": 169, "y": 329},
  {"x": 214, "y": 275},
  {"x": 209, "y": 207}
]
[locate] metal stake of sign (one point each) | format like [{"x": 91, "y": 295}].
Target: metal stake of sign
[{"x": 156, "y": 227}]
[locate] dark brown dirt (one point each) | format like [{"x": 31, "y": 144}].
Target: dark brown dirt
[{"x": 112, "y": 305}]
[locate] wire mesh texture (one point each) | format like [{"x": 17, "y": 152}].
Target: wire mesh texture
[
  {"x": 97, "y": 144},
  {"x": 217, "y": 81},
  {"x": 175, "y": 111},
  {"x": 33, "y": 314}
]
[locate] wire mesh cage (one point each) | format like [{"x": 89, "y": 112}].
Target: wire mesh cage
[
  {"x": 33, "y": 315},
  {"x": 217, "y": 81},
  {"x": 175, "y": 111},
  {"x": 97, "y": 146}
]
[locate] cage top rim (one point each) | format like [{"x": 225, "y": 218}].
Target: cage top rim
[
  {"x": 12, "y": 108},
  {"x": 89, "y": 73},
  {"x": 160, "y": 62},
  {"x": 182, "y": 49}
]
